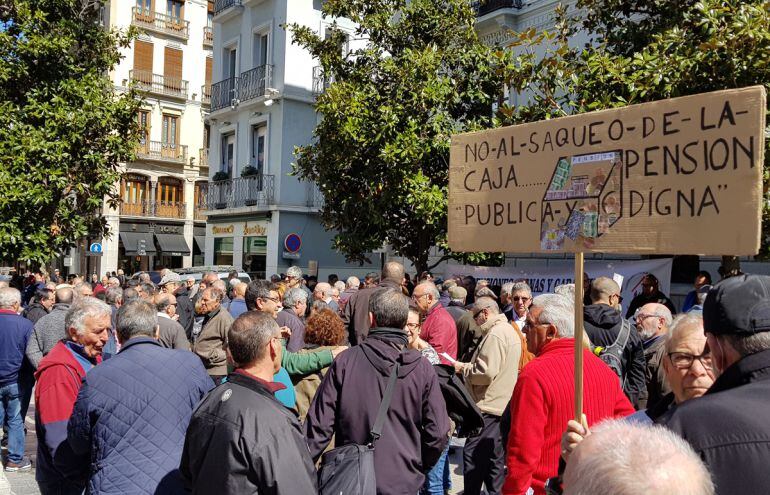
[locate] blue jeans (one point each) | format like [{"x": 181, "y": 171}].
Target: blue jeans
[
  {"x": 437, "y": 481},
  {"x": 10, "y": 414}
]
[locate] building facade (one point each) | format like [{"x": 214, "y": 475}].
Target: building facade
[
  {"x": 162, "y": 193},
  {"x": 260, "y": 218}
]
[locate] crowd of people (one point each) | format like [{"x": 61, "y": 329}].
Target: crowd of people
[{"x": 271, "y": 386}]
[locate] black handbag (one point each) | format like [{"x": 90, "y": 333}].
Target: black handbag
[{"x": 349, "y": 470}]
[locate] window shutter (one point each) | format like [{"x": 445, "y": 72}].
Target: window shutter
[
  {"x": 143, "y": 60},
  {"x": 172, "y": 67},
  {"x": 208, "y": 70}
]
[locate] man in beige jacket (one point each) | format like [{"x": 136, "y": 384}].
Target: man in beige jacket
[
  {"x": 211, "y": 344},
  {"x": 490, "y": 378}
]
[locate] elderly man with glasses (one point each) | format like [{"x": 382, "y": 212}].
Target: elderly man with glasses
[
  {"x": 211, "y": 344},
  {"x": 652, "y": 322},
  {"x": 438, "y": 329},
  {"x": 515, "y": 298}
]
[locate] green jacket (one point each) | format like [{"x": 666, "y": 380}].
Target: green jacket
[{"x": 297, "y": 363}]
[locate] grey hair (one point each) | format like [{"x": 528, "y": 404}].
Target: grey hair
[
  {"x": 624, "y": 458},
  {"x": 292, "y": 296},
  {"x": 294, "y": 271},
  {"x": 339, "y": 285},
  {"x": 746, "y": 345},
  {"x": 352, "y": 282},
  {"x": 83, "y": 308},
  {"x": 430, "y": 289},
  {"x": 566, "y": 290},
  {"x": 325, "y": 288},
  {"x": 559, "y": 311},
  {"x": 485, "y": 302},
  {"x": 521, "y": 287},
  {"x": 249, "y": 335},
  {"x": 114, "y": 280},
  {"x": 79, "y": 289},
  {"x": 137, "y": 318},
  {"x": 663, "y": 312},
  {"x": 680, "y": 325},
  {"x": 390, "y": 308},
  {"x": 216, "y": 292},
  {"x": 9, "y": 297},
  {"x": 506, "y": 289},
  {"x": 220, "y": 284},
  {"x": 113, "y": 295}
]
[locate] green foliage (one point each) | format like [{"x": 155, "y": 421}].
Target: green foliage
[
  {"x": 63, "y": 129},
  {"x": 220, "y": 176},
  {"x": 645, "y": 51},
  {"x": 248, "y": 171},
  {"x": 381, "y": 152}
]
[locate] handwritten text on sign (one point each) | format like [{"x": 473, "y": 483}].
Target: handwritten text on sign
[{"x": 679, "y": 176}]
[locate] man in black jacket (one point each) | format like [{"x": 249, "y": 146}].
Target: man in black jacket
[
  {"x": 729, "y": 427},
  {"x": 602, "y": 322},
  {"x": 240, "y": 438},
  {"x": 171, "y": 283}
]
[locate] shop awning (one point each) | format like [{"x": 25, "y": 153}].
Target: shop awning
[
  {"x": 200, "y": 240},
  {"x": 132, "y": 240},
  {"x": 173, "y": 244}
]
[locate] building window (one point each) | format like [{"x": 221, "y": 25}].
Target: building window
[
  {"x": 231, "y": 63},
  {"x": 258, "y": 143},
  {"x": 260, "y": 49},
  {"x": 144, "y": 6},
  {"x": 134, "y": 191},
  {"x": 170, "y": 135},
  {"x": 169, "y": 191},
  {"x": 143, "y": 119},
  {"x": 223, "y": 250},
  {"x": 228, "y": 154},
  {"x": 174, "y": 10},
  {"x": 255, "y": 256}
]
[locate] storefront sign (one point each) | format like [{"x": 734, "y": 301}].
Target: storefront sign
[
  {"x": 166, "y": 229},
  {"x": 677, "y": 176},
  {"x": 229, "y": 229},
  {"x": 257, "y": 229}
]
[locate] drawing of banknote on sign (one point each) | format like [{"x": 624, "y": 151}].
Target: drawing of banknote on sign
[{"x": 582, "y": 201}]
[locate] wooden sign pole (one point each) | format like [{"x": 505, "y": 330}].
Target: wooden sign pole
[{"x": 579, "y": 337}]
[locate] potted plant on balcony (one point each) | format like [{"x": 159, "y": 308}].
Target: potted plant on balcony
[
  {"x": 253, "y": 184},
  {"x": 220, "y": 189}
]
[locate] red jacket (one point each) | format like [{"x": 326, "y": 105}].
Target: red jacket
[
  {"x": 440, "y": 331},
  {"x": 543, "y": 402}
]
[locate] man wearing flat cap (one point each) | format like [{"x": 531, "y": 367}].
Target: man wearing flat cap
[{"x": 729, "y": 426}]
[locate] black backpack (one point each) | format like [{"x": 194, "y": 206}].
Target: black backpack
[{"x": 613, "y": 354}]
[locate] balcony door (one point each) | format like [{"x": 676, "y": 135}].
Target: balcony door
[
  {"x": 143, "y": 119},
  {"x": 258, "y": 143},
  {"x": 172, "y": 70},
  {"x": 144, "y": 10},
  {"x": 170, "y": 137},
  {"x": 169, "y": 198},
  {"x": 133, "y": 194},
  {"x": 228, "y": 154}
]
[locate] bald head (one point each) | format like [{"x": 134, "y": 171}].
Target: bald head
[
  {"x": 652, "y": 320},
  {"x": 393, "y": 271},
  {"x": 64, "y": 295},
  {"x": 603, "y": 289},
  {"x": 623, "y": 458}
]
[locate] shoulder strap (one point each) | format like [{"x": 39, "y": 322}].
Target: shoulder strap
[
  {"x": 384, "y": 405},
  {"x": 622, "y": 338}
]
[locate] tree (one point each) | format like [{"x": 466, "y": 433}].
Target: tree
[
  {"x": 643, "y": 51},
  {"x": 63, "y": 128},
  {"x": 381, "y": 151}
]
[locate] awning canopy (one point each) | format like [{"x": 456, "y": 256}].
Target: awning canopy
[
  {"x": 173, "y": 244},
  {"x": 200, "y": 240},
  {"x": 132, "y": 240}
]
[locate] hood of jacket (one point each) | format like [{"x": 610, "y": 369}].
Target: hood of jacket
[
  {"x": 60, "y": 356},
  {"x": 602, "y": 316},
  {"x": 382, "y": 348}
]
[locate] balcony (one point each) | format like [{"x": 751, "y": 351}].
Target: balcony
[
  {"x": 200, "y": 212},
  {"x": 203, "y": 157},
  {"x": 320, "y": 80},
  {"x": 161, "y": 209},
  {"x": 315, "y": 199},
  {"x": 224, "y": 93},
  {"x": 254, "y": 82},
  {"x": 160, "y": 23},
  {"x": 158, "y": 84},
  {"x": 225, "y": 9},
  {"x": 256, "y": 190},
  {"x": 206, "y": 94},
  {"x": 164, "y": 152},
  {"x": 484, "y": 7},
  {"x": 208, "y": 36}
]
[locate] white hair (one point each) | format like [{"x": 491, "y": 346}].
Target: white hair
[
  {"x": 9, "y": 297},
  {"x": 352, "y": 282},
  {"x": 339, "y": 285},
  {"x": 430, "y": 288},
  {"x": 507, "y": 288},
  {"x": 559, "y": 311},
  {"x": 83, "y": 308},
  {"x": 624, "y": 458},
  {"x": 324, "y": 288},
  {"x": 566, "y": 290},
  {"x": 683, "y": 324},
  {"x": 521, "y": 287},
  {"x": 663, "y": 312},
  {"x": 292, "y": 296}
]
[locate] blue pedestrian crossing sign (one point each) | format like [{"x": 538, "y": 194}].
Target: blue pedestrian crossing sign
[{"x": 95, "y": 249}]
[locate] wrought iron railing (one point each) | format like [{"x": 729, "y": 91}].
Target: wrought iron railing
[
  {"x": 255, "y": 190},
  {"x": 222, "y": 5},
  {"x": 484, "y": 7},
  {"x": 162, "y": 209},
  {"x": 208, "y": 36},
  {"x": 224, "y": 93},
  {"x": 159, "y": 84},
  {"x": 254, "y": 82},
  {"x": 147, "y": 19},
  {"x": 206, "y": 94},
  {"x": 157, "y": 150},
  {"x": 320, "y": 80},
  {"x": 315, "y": 198}
]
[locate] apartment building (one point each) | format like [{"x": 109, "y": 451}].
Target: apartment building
[
  {"x": 260, "y": 218},
  {"x": 160, "y": 220}
]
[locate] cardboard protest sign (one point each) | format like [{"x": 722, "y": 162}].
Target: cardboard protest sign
[{"x": 678, "y": 176}]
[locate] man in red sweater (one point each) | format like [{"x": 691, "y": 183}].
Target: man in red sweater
[
  {"x": 543, "y": 398},
  {"x": 438, "y": 329}
]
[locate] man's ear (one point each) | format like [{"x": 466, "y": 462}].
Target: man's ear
[{"x": 551, "y": 332}]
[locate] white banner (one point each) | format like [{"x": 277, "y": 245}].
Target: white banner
[{"x": 545, "y": 279}]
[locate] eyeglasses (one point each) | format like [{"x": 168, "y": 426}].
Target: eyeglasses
[
  {"x": 520, "y": 298},
  {"x": 477, "y": 313},
  {"x": 413, "y": 325},
  {"x": 276, "y": 300},
  {"x": 684, "y": 360},
  {"x": 417, "y": 298},
  {"x": 641, "y": 317}
]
